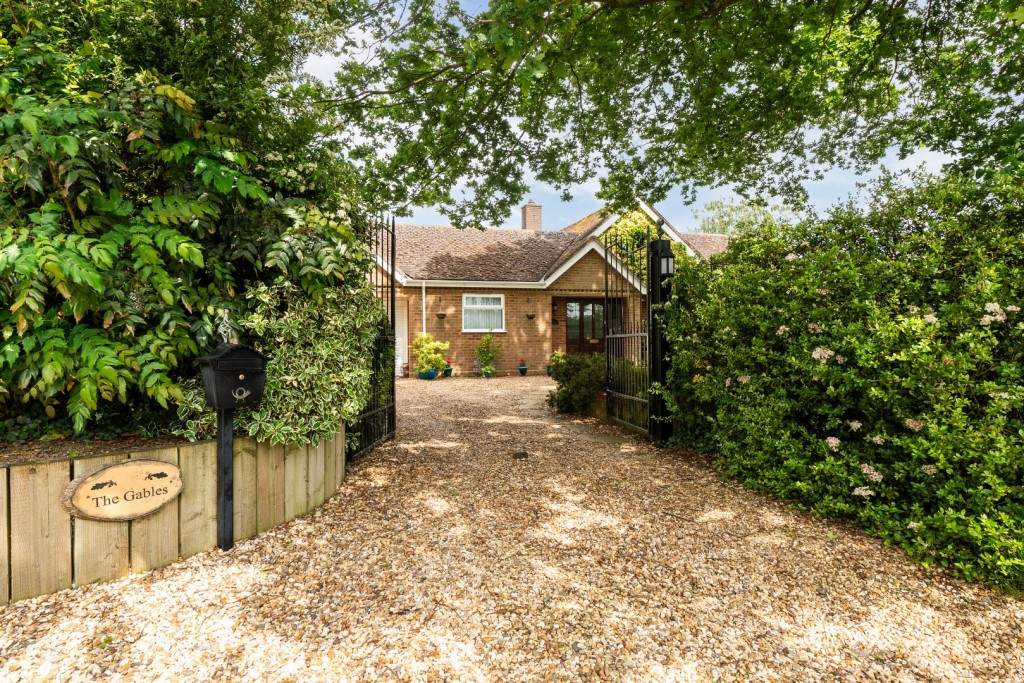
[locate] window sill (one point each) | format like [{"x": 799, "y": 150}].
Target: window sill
[{"x": 483, "y": 332}]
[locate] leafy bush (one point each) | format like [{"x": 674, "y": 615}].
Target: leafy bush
[
  {"x": 319, "y": 373},
  {"x": 579, "y": 377},
  {"x": 487, "y": 350},
  {"x": 130, "y": 223},
  {"x": 429, "y": 353},
  {"x": 871, "y": 366}
]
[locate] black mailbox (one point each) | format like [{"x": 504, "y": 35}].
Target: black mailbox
[{"x": 234, "y": 376}]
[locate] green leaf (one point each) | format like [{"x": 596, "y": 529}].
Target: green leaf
[
  {"x": 30, "y": 123},
  {"x": 69, "y": 144}
]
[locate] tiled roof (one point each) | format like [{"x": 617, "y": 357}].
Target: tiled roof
[
  {"x": 705, "y": 244},
  {"x": 434, "y": 252},
  {"x": 440, "y": 252}
]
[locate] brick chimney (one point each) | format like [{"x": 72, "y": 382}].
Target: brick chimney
[{"x": 531, "y": 216}]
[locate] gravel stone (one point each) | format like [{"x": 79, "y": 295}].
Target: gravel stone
[{"x": 598, "y": 558}]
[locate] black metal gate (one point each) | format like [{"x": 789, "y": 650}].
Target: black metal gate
[
  {"x": 377, "y": 422},
  {"x": 637, "y": 262},
  {"x": 627, "y": 336}
]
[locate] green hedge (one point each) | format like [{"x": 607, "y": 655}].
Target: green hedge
[
  {"x": 869, "y": 366},
  {"x": 579, "y": 376},
  {"x": 319, "y": 374}
]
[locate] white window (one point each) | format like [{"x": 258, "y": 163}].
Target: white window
[{"x": 483, "y": 312}]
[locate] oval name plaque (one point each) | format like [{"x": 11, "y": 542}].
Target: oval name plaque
[{"x": 123, "y": 491}]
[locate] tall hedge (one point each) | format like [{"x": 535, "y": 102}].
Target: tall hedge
[
  {"x": 131, "y": 221},
  {"x": 870, "y": 366}
]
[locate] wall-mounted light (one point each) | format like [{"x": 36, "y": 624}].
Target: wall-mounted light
[{"x": 668, "y": 264}]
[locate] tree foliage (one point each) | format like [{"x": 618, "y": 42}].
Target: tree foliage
[
  {"x": 871, "y": 366},
  {"x": 454, "y": 108},
  {"x": 740, "y": 217},
  {"x": 133, "y": 215}
]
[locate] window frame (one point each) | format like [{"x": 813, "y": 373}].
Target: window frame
[{"x": 465, "y": 330}]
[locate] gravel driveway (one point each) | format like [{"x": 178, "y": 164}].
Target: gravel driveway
[{"x": 597, "y": 557}]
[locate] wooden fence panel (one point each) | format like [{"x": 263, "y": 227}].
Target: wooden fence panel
[
  {"x": 269, "y": 486},
  {"x": 40, "y": 530},
  {"x": 245, "y": 488},
  {"x": 330, "y": 467},
  {"x": 317, "y": 468},
  {"x": 101, "y": 548},
  {"x": 5, "y": 559},
  {"x": 154, "y": 538},
  {"x": 296, "y": 485},
  {"x": 197, "y": 512}
]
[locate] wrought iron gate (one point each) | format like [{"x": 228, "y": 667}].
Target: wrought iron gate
[
  {"x": 377, "y": 422},
  {"x": 627, "y": 332},
  {"x": 637, "y": 262}
]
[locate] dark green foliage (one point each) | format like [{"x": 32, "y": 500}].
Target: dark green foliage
[
  {"x": 871, "y": 366},
  {"x": 580, "y": 376},
  {"x": 133, "y": 219},
  {"x": 465, "y": 101}
]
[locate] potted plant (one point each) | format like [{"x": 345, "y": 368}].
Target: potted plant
[
  {"x": 429, "y": 352},
  {"x": 448, "y": 368},
  {"x": 487, "y": 350},
  {"x": 522, "y": 367}
]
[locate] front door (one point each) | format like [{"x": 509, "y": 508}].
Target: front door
[{"x": 584, "y": 331}]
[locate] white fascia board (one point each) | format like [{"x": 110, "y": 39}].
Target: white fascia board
[
  {"x": 400, "y": 277},
  {"x": 596, "y": 246},
  {"x": 475, "y": 284},
  {"x": 670, "y": 229}
]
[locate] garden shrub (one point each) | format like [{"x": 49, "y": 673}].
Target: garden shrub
[
  {"x": 131, "y": 222},
  {"x": 579, "y": 377},
  {"x": 870, "y": 365},
  {"x": 429, "y": 353},
  {"x": 319, "y": 373},
  {"x": 487, "y": 350}
]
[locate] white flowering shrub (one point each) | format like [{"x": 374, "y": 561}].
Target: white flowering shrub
[{"x": 885, "y": 364}]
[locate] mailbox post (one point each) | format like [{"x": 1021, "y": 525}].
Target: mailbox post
[{"x": 234, "y": 376}]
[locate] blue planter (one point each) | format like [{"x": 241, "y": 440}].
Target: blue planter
[
  {"x": 429, "y": 374},
  {"x": 522, "y": 370},
  {"x": 448, "y": 371}
]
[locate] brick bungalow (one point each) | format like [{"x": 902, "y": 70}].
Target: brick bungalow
[{"x": 538, "y": 291}]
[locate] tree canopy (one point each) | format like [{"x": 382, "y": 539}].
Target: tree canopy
[
  {"x": 455, "y": 109},
  {"x": 739, "y": 216}
]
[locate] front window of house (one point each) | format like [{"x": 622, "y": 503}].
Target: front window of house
[{"x": 483, "y": 312}]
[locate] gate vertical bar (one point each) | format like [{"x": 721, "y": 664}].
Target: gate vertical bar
[
  {"x": 378, "y": 420},
  {"x": 659, "y": 255}
]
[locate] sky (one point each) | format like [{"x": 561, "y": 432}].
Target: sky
[{"x": 837, "y": 185}]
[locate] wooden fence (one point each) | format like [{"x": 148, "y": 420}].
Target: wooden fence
[{"x": 43, "y": 549}]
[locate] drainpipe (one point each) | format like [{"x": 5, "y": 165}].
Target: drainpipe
[{"x": 423, "y": 298}]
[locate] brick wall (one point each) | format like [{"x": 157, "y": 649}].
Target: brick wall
[
  {"x": 523, "y": 338},
  {"x": 532, "y": 340}
]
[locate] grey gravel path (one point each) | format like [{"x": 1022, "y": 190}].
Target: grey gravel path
[{"x": 595, "y": 558}]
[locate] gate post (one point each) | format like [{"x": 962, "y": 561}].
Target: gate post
[{"x": 661, "y": 266}]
